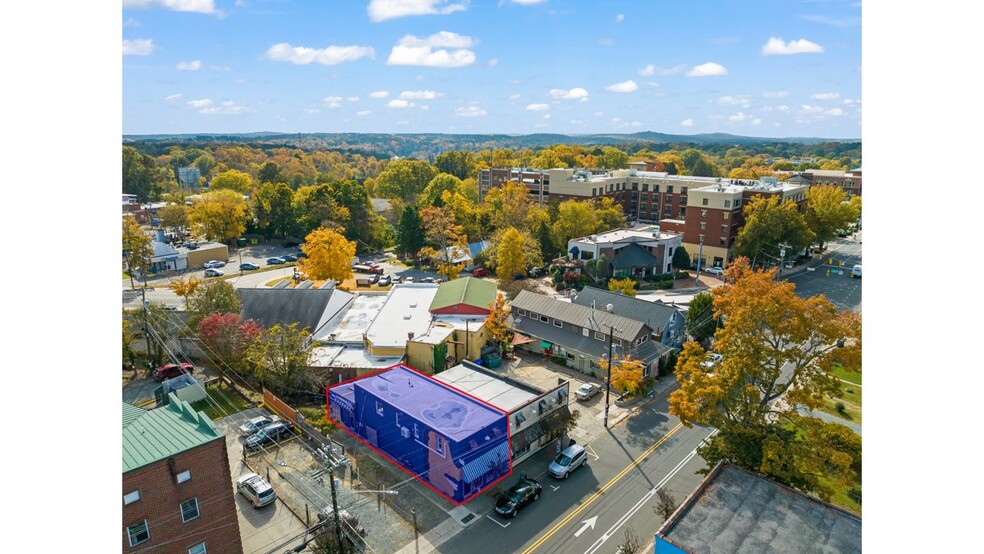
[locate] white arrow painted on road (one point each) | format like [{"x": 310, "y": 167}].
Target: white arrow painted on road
[{"x": 590, "y": 522}]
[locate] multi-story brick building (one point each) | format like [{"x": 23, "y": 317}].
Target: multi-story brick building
[
  {"x": 849, "y": 181},
  {"x": 177, "y": 487},
  {"x": 703, "y": 209}
]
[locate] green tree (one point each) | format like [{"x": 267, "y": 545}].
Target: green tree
[
  {"x": 142, "y": 176},
  {"x": 363, "y": 223},
  {"x": 701, "y": 322},
  {"x": 574, "y": 219},
  {"x": 232, "y": 180},
  {"x": 220, "y": 215},
  {"x": 215, "y": 296},
  {"x": 205, "y": 164},
  {"x": 410, "y": 234},
  {"x": 608, "y": 214},
  {"x": 828, "y": 210},
  {"x": 771, "y": 224},
  {"x": 681, "y": 259},
  {"x": 137, "y": 250},
  {"x": 779, "y": 353},
  {"x": 315, "y": 207},
  {"x": 329, "y": 255},
  {"x": 626, "y": 286},
  {"x": 442, "y": 182},
  {"x": 173, "y": 216},
  {"x": 405, "y": 179},
  {"x": 510, "y": 260},
  {"x": 273, "y": 210},
  {"x": 613, "y": 158},
  {"x": 461, "y": 164},
  {"x": 280, "y": 358},
  {"x": 270, "y": 173}
]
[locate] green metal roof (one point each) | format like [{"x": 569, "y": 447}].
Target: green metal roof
[
  {"x": 153, "y": 435},
  {"x": 466, "y": 290}
]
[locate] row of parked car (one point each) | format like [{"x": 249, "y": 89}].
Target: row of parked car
[{"x": 527, "y": 491}]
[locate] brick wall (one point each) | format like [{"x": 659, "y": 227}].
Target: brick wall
[{"x": 161, "y": 497}]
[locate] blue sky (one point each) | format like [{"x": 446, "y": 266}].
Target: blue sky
[{"x": 768, "y": 68}]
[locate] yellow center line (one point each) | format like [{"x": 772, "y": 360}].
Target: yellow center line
[{"x": 539, "y": 542}]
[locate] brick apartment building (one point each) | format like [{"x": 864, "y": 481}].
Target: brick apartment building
[
  {"x": 704, "y": 210},
  {"x": 849, "y": 181},
  {"x": 177, "y": 487}
]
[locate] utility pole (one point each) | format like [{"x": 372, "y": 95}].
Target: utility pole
[
  {"x": 334, "y": 507},
  {"x": 700, "y": 257},
  {"x": 782, "y": 259},
  {"x": 143, "y": 296},
  {"x": 608, "y": 382}
]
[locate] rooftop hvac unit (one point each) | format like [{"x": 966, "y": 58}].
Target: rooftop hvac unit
[{"x": 405, "y": 432}]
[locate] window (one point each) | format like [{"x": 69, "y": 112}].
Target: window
[
  {"x": 139, "y": 533},
  {"x": 683, "y": 190},
  {"x": 534, "y": 316},
  {"x": 198, "y": 549},
  {"x": 725, "y": 215},
  {"x": 184, "y": 476},
  {"x": 703, "y": 225},
  {"x": 585, "y": 332},
  {"x": 599, "y": 335},
  {"x": 520, "y": 418},
  {"x": 703, "y": 202},
  {"x": 570, "y": 356},
  {"x": 440, "y": 445},
  {"x": 724, "y": 229},
  {"x": 521, "y": 313},
  {"x": 189, "y": 510},
  {"x": 645, "y": 187},
  {"x": 635, "y": 186},
  {"x": 379, "y": 408},
  {"x": 727, "y": 203},
  {"x": 723, "y": 241},
  {"x": 655, "y": 188},
  {"x": 416, "y": 431},
  {"x": 669, "y": 189},
  {"x": 558, "y": 323},
  {"x": 131, "y": 497},
  {"x": 544, "y": 319},
  {"x": 617, "y": 342},
  {"x": 703, "y": 213}
]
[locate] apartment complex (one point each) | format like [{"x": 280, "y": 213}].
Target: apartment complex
[
  {"x": 848, "y": 181},
  {"x": 705, "y": 210}
]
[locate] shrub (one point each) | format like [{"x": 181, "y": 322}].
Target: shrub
[
  {"x": 841, "y": 408},
  {"x": 854, "y": 493}
]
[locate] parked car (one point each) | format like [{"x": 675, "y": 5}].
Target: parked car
[
  {"x": 480, "y": 272},
  {"x": 856, "y": 272},
  {"x": 408, "y": 280},
  {"x": 427, "y": 280},
  {"x": 211, "y": 272},
  {"x": 275, "y": 261},
  {"x": 191, "y": 245},
  {"x": 384, "y": 281},
  {"x": 396, "y": 279},
  {"x": 257, "y": 423},
  {"x": 535, "y": 272},
  {"x": 586, "y": 391},
  {"x": 517, "y": 497},
  {"x": 213, "y": 264},
  {"x": 247, "y": 266},
  {"x": 168, "y": 371},
  {"x": 289, "y": 258},
  {"x": 256, "y": 490},
  {"x": 569, "y": 459},
  {"x": 269, "y": 435},
  {"x": 714, "y": 271},
  {"x": 713, "y": 359}
]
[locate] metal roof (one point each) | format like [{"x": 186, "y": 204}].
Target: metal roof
[
  {"x": 465, "y": 290},
  {"x": 501, "y": 394},
  {"x": 656, "y": 315},
  {"x": 582, "y": 316},
  {"x": 153, "y": 435},
  {"x": 734, "y": 510},
  {"x": 634, "y": 255},
  {"x": 309, "y": 308}
]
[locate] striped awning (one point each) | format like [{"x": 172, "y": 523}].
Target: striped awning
[{"x": 484, "y": 463}]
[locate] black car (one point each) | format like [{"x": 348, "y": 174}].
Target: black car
[
  {"x": 246, "y": 266},
  {"x": 518, "y": 496},
  {"x": 269, "y": 435},
  {"x": 535, "y": 272},
  {"x": 289, "y": 258}
]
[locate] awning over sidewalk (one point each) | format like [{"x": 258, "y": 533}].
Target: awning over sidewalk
[
  {"x": 486, "y": 462},
  {"x": 541, "y": 427},
  {"x": 545, "y": 344},
  {"x": 519, "y": 338}
]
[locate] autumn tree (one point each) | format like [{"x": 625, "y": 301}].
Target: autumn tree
[
  {"x": 185, "y": 286},
  {"x": 441, "y": 183},
  {"x": 270, "y": 173},
  {"x": 509, "y": 205},
  {"x": 626, "y": 286},
  {"x": 227, "y": 337},
  {"x": 613, "y": 158},
  {"x": 771, "y": 224},
  {"x": 444, "y": 237},
  {"x": 315, "y": 207},
  {"x": 142, "y": 176},
  {"x": 779, "y": 353},
  {"x": 574, "y": 219},
  {"x": 273, "y": 210},
  {"x": 329, "y": 255},
  {"x": 626, "y": 373},
  {"x": 173, "y": 216},
  {"x": 828, "y": 210},
  {"x": 497, "y": 322},
  {"x": 405, "y": 179},
  {"x": 510, "y": 259},
  {"x": 701, "y": 322},
  {"x": 220, "y": 215},
  {"x": 608, "y": 215},
  {"x": 214, "y": 296},
  {"x": 456, "y": 162},
  {"x": 137, "y": 251},
  {"x": 410, "y": 233},
  {"x": 232, "y": 180},
  {"x": 280, "y": 358}
]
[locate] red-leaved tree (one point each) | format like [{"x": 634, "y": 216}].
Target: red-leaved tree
[{"x": 226, "y": 337}]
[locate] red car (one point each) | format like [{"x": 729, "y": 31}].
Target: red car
[
  {"x": 168, "y": 371},
  {"x": 480, "y": 272}
]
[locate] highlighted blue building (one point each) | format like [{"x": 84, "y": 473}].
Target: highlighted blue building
[{"x": 447, "y": 439}]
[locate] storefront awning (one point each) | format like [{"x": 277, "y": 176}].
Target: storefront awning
[
  {"x": 486, "y": 462},
  {"x": 521, "y": 339},
  {"x": 546, "y": 344}
]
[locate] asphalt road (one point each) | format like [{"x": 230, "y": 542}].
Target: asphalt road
[
  {"x": 589, "y": 511},
  {"x": 833, "y": 277}
]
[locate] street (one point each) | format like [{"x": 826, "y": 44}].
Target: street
[{"x": 833, "y": 277}]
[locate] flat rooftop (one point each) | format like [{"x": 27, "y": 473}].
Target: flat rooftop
[
  {"x": 356, "y": 320},
  {"x": 501, "y": 394},
  {"x": 648, "y": 233},
  {"x": 406, "y": 310},
  {"x": 340, "y": 355},
  {"x": 734, "y": 510}
]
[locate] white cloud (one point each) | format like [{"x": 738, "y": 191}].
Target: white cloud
[
  {"x": 776, "y": 94},
  {"x": 220, "y": 68},
  {"x": 381, "y": 10},
  {"x": 470, "y": 111},
  {"x": 635, "y": 124},
  {"x": 200, "y": 103},
  {"x": 528, "y": 2},
  {"x": 196, "y": 6},
  {"x": 138, "y": 47},
  {"x": 132, "y": 23},
  {"x": 599, "y": 114},
  {"x": 419, "y": 94},
  {"x": 825, "y": 96},
  {"x": 329, "y": 55},
  {"x": 546, "y": 116},
  {"x": 687, "y": 123},
  {"x": 537, "y": 107},
  {"x": 776, "y": 47},
  {"x": 834, "y": 112},
  {"x": 174, "y": 97},
  {"x": 740, "y": 116},
  {"x": 783, "y": 108},
  {"x": 739, "y": 100},
  {"x": 493, "y": 62},
  {"x": 514, "y": 97},
  {"x": 806, "y": 108},
  {"x": 363, "y": 112},
  {"x": 616, "y": 119},
  {"x": 624, "y": 86},
  {"x": 757, "y": 121},
  {"x": 193, "y": 65},
  {"x": 661, "y": 71},
  {"x": 425, "y": 107},
  {"x": 619, "y": 17},
  {"x": 576, "y": 122},
  {"x": 707, "y": 70},
  {"x": 411, "y": 50},
  {"x": 398, "y": 103},
  {"x": 332, "y": 101},
  {"x": 576, "y": 93},
  {"x": 379, "y": 94},
  {"x": 225, "y": 108},
  {"x": 312, "y": 111},
  {"x": 353, "y": 98}
]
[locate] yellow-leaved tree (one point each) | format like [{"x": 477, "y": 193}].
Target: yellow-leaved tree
[
  {"x": 219, "y": 215},
  {"x": 626, "y": 374},
  {"x": 625, "y": 286},
  {"x": 329, "y": 255},
  {"x": 510, "y": 259},
  {"x": 497, "y": 322},
  {"x": 185, "y": 286}
]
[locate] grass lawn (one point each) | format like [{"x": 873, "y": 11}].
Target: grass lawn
[
  {"x": 842, "y": 500},
  {"x": 223, "y": 402},
  {"x": 851, "y": 376},
  {"x": 853, "y": 411}
]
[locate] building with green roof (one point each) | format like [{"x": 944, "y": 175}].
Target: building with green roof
[
  {"x": 463, "y": 296},
  {"x": 177, "y": 484}
]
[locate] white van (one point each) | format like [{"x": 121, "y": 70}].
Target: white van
[{"x": 856, "y": 272}]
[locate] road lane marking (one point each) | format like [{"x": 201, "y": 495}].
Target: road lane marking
[
  {"x": 555, "y": 488},
  {"x": 539, "y": 542},
  {"x": 591, "y": 451},
  {"x": 499, "y": 524},
  {"x": 646, "y": 497},
  {"x": 590, "y": 522}
]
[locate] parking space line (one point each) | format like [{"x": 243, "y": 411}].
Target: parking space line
[
  {"x": 591, "y": 451},
  {"x": 499, "y": 524}
]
